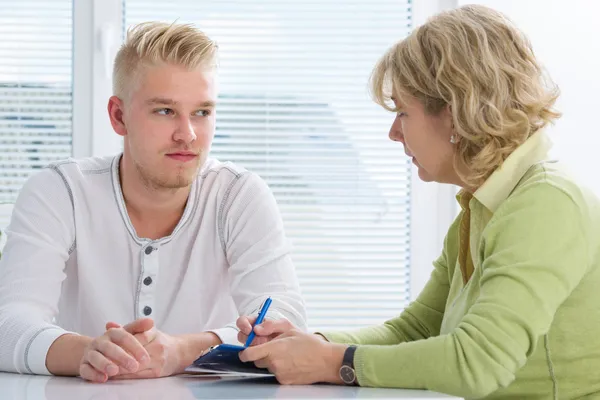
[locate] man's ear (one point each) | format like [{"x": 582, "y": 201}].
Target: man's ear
[{"x": 115, "y": 113}]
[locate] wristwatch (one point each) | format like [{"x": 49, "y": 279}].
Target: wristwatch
[{"x": 347, "y": 373}]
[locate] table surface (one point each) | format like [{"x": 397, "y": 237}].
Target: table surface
[{"x": 187, "y": 387}]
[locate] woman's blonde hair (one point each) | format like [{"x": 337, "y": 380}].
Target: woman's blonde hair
[
  {"x": 476, "y": 61},
  {"x": 153, "y": 43}
]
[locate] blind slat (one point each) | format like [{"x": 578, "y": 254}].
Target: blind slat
[
  {"x": 35, "y": 90},
  {"x": 294, "y": 108}
]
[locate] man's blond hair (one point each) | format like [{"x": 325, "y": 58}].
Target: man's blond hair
[
  {"x": 154, "y": 43},
  {"x": 476, "y": 61}
]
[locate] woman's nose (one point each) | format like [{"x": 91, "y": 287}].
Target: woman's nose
[{"x": 395, "y": 134}]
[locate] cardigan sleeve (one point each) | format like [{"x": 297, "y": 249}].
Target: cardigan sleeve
[
  {"x": 535, "y": 252},
  {"x": 422, "y": 318}
]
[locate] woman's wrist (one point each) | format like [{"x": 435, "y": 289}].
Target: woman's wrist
[
  {"x": 321, "y": 336},
  {"x": 333, "y": 362}
]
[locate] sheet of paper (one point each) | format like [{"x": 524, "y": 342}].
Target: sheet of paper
[{"x": 209, "y": 372}]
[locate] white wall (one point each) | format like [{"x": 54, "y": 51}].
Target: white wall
[{"x": 566, "y": 38}]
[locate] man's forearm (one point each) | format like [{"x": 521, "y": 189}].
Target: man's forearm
[
  {"x": 64, "y": 356},
  {"x": 192, "y": 345}
]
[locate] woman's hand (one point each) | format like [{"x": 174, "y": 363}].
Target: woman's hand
[
  {"x": 265, "y": 332},
  {"x": 298, "y": 358}
]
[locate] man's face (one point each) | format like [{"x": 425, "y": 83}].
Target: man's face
[{"x": 169, "y": 123}]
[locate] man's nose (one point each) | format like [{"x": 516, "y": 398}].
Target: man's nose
[{"x": 185, "y": 131}]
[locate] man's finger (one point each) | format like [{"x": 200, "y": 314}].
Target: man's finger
[
  {"x": 101, "y": 363},
  {"x": 89, "y": 373},
  {"x": 111, "y": 324},
  {"x": 118, "y": 355},
  {"x": 129, "y": 344},
  {"x": 143, "y": 374},
  {"x": 146, "y": 337},
  {"x": 139, "y": 325}
]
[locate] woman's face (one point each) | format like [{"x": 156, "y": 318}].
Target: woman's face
[{"x": 426, "y": 138}]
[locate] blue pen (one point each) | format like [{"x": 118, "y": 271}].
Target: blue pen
[{"x": 261, "y": 316}]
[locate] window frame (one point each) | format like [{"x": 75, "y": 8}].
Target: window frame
[{"x": 97, "y": 30}]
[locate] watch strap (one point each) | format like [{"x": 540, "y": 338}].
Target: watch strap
[{"x": 349, "y": 356}]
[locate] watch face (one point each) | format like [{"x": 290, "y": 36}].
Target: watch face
[{"x": 347, "y": 374}]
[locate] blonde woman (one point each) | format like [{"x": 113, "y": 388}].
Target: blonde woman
[{"x": 512, "y": 308}]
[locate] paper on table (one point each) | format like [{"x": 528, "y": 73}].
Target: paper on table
[
  {"x": 211, "y": 372},
  {"x": 224, "y": 359}
]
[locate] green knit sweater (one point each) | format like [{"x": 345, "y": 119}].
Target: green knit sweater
[{"x": 526, "y": 324}]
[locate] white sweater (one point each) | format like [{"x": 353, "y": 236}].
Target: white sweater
[{"x": 73, "y": 260}]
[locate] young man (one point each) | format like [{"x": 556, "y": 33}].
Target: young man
[{"x": 131, "y": 266}]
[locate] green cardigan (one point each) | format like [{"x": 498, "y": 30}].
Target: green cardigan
[{"x": 526, "y": 325}]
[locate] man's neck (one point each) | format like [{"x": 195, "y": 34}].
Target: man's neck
[{"x": 154, "y": 212}]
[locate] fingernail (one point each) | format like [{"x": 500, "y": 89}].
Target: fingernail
[
  {"x": 145, "y": 359},
  {"x": 112, "y": 370},
  {"x": 132, "y": 366}
]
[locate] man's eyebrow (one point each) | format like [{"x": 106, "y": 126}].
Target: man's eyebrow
[
  {"x": 161, "y": 100},
  {"x": 207, "y": 104},
  {"x": 165, "y": 101}
]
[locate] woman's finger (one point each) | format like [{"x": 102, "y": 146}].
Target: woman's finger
[
  {"x": 273, "y": 327},
  {"x": 244, "y": 324},
  {"x": 262, "y": 363}
]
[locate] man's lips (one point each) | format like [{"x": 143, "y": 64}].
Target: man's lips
[{"x": 182, "y": 155}]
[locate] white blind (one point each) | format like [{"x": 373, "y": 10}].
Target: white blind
[
  {"x": 294, "y": 108},
  {"x": 35, "y": 89}
]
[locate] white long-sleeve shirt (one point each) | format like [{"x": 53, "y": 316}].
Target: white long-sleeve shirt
[{"x": 73, "y": 260}]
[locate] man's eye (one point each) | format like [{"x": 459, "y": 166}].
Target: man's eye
[
  {"x": 164, "y": 111},
  {"x": 203, "y": 113}
]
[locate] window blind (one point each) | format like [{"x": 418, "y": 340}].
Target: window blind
[
  {"x": 294, "y": 108},
  {"x": 35, "y": 90}
]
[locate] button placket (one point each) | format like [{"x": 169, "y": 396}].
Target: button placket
[{"x": 150, "y": 273}]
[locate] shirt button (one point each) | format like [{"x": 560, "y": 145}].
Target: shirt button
[
  {"x": 147, "y": 310},
  {"x": 148, "y": 250},
  {"x": 147, "y": 281}
]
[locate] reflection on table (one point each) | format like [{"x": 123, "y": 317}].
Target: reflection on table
[{"x": 187, "y": 387}]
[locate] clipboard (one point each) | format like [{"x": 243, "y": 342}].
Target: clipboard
[{"x": 224, "y": 359}]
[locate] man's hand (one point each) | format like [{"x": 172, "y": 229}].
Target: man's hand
[
  {"x": 164, "y": 351},
  {"x": 264, "y": 332},
  {"x": 115, "y": 352}
]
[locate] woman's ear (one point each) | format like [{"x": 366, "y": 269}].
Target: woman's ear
[
  {"x": 115, "y": 113},
  {"x": 449, "y": 120}
]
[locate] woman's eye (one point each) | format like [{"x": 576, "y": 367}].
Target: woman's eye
[{"x": 400, "y": 114}]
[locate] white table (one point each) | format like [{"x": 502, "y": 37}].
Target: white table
[{"x": 186, "y": 387}]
